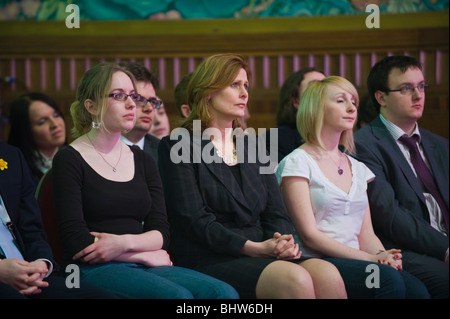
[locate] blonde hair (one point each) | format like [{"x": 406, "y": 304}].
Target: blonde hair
[
  {"x": 213, "y": 74},
  {"x": 310, "y": 112},
  {"x": 94, "y": 85}
]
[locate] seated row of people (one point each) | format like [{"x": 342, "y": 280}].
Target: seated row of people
[{"x": 230, "y": 232}]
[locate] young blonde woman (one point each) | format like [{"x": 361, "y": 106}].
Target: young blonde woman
[
  {"x": 325, "y": 194},
  {"x": 109, "y": 201}
]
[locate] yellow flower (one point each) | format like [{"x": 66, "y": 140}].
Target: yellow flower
[{"x": 3, "y": 164}]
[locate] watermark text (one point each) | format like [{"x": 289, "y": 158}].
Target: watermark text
[
  {"x": 73, "y": 19},
  {"x": 373, "y": 19}
]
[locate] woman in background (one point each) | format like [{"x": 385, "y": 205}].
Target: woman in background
[
  {"x": 290, "y": 94},
  {"x": 38, "y": 129}
]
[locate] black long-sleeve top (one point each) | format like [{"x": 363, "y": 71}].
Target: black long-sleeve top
[{"x": 85, "y": 201}]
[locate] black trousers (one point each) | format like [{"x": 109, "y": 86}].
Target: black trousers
[
  {"x": 431, "y": 271},
  {"x": 57, "y": 290}
]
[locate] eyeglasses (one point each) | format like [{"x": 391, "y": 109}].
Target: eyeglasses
[
  {"x": 142, "y": 101},
  {"x": 123, "y": 96},
  {"x": 410, "y": 89}
]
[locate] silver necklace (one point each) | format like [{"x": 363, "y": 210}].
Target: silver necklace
[
  {"x": 229, "y": 160},
  {"x": 114, "y": 169}
]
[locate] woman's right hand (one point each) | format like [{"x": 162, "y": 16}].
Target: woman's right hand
[{"x": 153, "y": 258}]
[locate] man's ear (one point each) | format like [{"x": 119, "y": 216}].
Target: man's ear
[
  {"x": 296, "y": 103},
  {"x": 185, "y": 110},
  {"x": 380, "y": 97},
  {"x": 89, "y": 105}
]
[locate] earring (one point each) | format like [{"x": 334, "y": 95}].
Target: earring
[{"x": 96, "y": 125}]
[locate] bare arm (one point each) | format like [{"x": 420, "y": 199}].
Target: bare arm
[
  {"x": 107, "y": 247},
  {"x": 296, "y": 194}
]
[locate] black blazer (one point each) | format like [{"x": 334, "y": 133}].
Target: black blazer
[
  {"x": 399, "y": 213},
  {"x": 209, "y": 213},
  {"x": 151, "y": 146},
  {"x": 17, "y": 189}
]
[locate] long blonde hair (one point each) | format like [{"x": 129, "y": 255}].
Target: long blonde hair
[
  {"x": 94, "y": 85},
  {"x": 213, "y": 74},
  {"x": 310, "y": 112}
]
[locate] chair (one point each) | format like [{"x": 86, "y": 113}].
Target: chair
[{"x": 44, "y": 199}]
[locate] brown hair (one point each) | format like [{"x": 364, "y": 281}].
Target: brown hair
[{"x": 213, "y": 74}]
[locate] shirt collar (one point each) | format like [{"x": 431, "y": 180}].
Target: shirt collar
[
  {"x": 395, "y": 131},
  {"x": 140, "y": 143}
]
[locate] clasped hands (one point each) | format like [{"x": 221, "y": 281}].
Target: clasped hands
[
  {"x": 391, "y": 257},
  {"x": 26, "y": 277},
  {"x": 284, "y": 246}
]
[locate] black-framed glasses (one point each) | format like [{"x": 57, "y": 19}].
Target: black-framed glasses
[
  {"x": 410, "y": 89},
  {"x": 142, "y": 101},
  {"x": 120, "y": 96}
]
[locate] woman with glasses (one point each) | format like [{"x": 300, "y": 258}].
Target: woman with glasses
[{"x": 109, "y": 202}]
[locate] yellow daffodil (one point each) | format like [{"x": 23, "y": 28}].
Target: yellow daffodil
[{"x": 3, "y": 164}]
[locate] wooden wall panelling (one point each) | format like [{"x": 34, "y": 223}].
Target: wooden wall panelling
[{"x": 46, "y": 56}]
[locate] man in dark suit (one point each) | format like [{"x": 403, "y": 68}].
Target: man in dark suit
[
  {"x": 406, "y": 212},
  {"x": 27, "y": 267},
  {"x": 146, "y": 84}
]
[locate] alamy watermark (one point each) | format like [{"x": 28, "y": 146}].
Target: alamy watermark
[
  {"x": 73, "y": 19},
  {"x": 373, "y": 279},
  {"x": 373, "y": 19},
  {"x": 73, "y": 277},
  {"x": 255, "y": 143}
]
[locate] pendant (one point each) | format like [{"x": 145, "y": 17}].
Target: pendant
[
  {"x": 340, "y": 171},
  {"x": 115, "y": 170}
]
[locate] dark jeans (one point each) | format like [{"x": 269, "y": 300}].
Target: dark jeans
[
  {"x": 133, "y": 281},
  {"x": 393, "y": 284}
]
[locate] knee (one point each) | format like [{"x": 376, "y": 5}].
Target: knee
[
  {"x": 285, "y": 280},
  {"x": 328, "y": 282},
  {"x": 300, "y": 283},
  {"x": 391, "y": 283}
]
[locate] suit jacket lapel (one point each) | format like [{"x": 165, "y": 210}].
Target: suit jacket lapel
[
  {"x": 380, "y": 131},
  {"x": 249, "y": 176},
  {"x": 430, "y": 150}
]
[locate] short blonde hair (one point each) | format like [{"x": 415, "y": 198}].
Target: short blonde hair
[
  {"x": 94, "y": 85},
  {"x": 213, "y": 74},
  {"x": 310, "y": 112}
]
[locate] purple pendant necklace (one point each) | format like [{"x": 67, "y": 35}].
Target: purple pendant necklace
[{"x": 340, "y": 170}]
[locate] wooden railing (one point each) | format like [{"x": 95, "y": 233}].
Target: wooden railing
[{"x": 48, "y": 57}]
